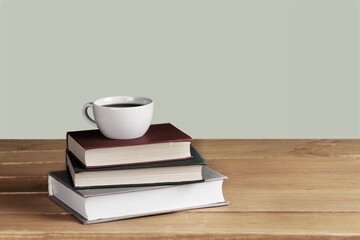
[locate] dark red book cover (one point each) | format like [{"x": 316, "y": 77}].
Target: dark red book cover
[{"x": 157, "y": 133}]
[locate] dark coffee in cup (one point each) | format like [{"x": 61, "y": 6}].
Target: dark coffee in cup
[{"x": 122, "y": 105}]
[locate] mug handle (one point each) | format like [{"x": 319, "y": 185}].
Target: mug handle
[{"x": 86, "y": 114}]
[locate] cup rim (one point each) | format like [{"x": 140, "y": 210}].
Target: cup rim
[{"x": 144, "y": 101}]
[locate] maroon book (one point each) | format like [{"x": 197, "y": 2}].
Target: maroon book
[{"x": 162, "y": 142}]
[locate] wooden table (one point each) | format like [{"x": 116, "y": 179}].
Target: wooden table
[{"x": 285, "y": 189}]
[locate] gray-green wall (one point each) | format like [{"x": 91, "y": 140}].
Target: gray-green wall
[{"x": 216, "y": 69}]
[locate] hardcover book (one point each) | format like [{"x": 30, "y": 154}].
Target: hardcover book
[
  {"x": 107, "y": 204},
  {"x": 162, "y": 142},
  {"x": 166, "y": 172}
]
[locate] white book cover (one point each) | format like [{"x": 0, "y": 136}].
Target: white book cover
[{"x": 109, "y": 204}]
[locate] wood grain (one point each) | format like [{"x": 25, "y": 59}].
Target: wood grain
[
  {"x": 284, "y": 189},
  {"x": 17, "y": 145},
  {"x": 187, "y": 225}
]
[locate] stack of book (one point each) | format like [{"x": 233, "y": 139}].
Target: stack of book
[{"x": 109, "y": 179}]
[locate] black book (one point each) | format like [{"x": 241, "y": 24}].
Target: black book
[{"x": 155, "y": 173}]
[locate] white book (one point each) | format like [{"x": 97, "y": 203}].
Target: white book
[{"x": 108, "y": 204}]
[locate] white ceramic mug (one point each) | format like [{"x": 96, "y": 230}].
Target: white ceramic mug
[{"x": 121, "y": 117}]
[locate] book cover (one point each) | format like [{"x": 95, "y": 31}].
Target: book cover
[
  {"x": 63, "y": 178},
  {"x": 157, "y": 133}
]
